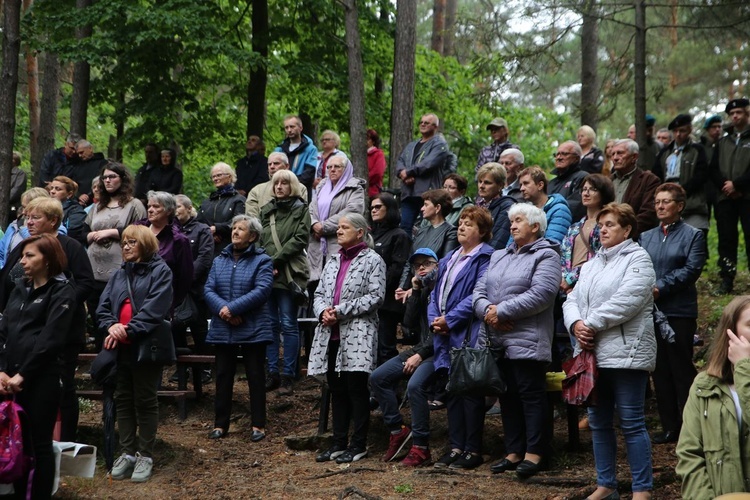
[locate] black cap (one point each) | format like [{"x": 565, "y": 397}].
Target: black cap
[
  {"x": 680, "y": 121},
  {"x": 737, "y": 103}
]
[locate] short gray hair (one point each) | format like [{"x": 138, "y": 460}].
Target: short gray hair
[
  {"x": 333, "y": 135},
  {"x": 515, "y": 153},
  {"x": 225, "y": 169},
  {"x": 359, "y": 222},
  {"x": 83, "y": 143},
  {"x": 281, "y": 156},
  {"x": 253, "y": 224},
  {"x": 186, "y": 202},
  {"x": 533, "y": 215},
  {"x": 631, "y": 145},
  {"x": 164, "y": 199},
  {"x": 576, "y": 147}
]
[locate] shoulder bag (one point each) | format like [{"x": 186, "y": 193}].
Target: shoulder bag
[
  {"x": 300, "y": 294},
  {"x": 474, "y": 371},
  {"x": 157, "y": 347}
]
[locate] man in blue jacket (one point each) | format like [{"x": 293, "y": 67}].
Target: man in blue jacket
[
  {"x": 534, "y": 190},
  {"x": 302, "y": 153}
]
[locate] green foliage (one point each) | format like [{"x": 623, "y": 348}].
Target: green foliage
[{"x": 403, "y": 489}]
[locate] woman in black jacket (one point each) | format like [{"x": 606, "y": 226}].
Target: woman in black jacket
[
  {"x": 393, "y": 245},
  {"x": 39, "y": 308},
  {"x": 223, "y": 204},
  {"x": 127, "y": 321},
  {"x": 64, "y": 189}
]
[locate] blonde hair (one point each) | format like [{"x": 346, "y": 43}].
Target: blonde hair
[
  {"x": 718, "y": 364},
  {"x": 147, "y": 242}
]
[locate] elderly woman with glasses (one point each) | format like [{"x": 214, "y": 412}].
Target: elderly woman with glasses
[
  {"x": 329, "y": 144},
  {"x": 237, "y": 292},
  {"x": 222, "y": 205}
]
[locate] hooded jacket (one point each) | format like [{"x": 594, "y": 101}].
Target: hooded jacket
[
  {"x": 218, "y": 211},
  {"x": 292, "y": 221},
  {"x": 522, "y": 283},
  {"x": 303, "y": 161},
  {"x": 713, "y": 457},
  {"x": 614, "y": 296},
  {"x": 202, "y": 251},
  {"x": 568, "y": 183},
  {"x": 426, "y": 168},
  {"x": 244, "y": 286}
]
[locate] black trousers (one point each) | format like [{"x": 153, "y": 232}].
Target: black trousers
[
  {"x": 40, "y": 400},
  {"x": 465, "y": 422},
  {"x": 254, "y": 356},
  {"x": 674, "y": 372},
  {"x": 69, "y": 400},
  {"x": 524, "y": 406},
  {"x": 387, "y": 335},
  {"x": 728, "y": 214},
  {"x": 350, "y": 402}
]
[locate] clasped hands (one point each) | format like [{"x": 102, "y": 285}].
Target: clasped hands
[
  {"x": 230, "y": 318},
  {"x": 584, "y": 335},
  {"x": 10, "y": 385},
  {"x": 490, "y": 317},
  {"x": 329, "y": 317},
  {"x": 117, "y": 334}
]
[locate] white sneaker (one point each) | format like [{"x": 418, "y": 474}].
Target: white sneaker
[
  {"x": 123, "y": 467},
  {"x": 142, "y": 471}
]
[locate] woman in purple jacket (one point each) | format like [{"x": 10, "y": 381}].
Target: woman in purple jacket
[{"x": 451, "y": 319}]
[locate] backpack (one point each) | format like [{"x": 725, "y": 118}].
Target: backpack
[{"x": 14, "y": 462}]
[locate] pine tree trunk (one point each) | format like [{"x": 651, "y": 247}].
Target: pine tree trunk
[
  {"x": 449, "y": 38},
  {"x": 8, "y": 88},
  {"x": 639, "y": 61},
  {"x": 357, "y": 125},
  {"x": 256, "y": 88},
  {"x": 32, "y": 86},
  {"x": 589, "y": 74},
  {"x": 48, "y": 114},
  {"x": 438, "y": 25},
  {"x": 79, "y": 102},
  {"x": 402, "y": 105}
]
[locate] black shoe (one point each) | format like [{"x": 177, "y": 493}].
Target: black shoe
[
  {"x": 503, "y": 466},
  {"x": 527, "y": 468},
  {"x": 205, "y": 376},
  {"x": 726, "y": 287},
  {"x": 285, "y": 388},
  {"x": 467, "y": 461},
  {"x": 257, "y": 436},
  {"x": 330, "y": 454},
  {"x": 352, "y": 454},
  {"x": 217, "y": 433},
  {"x": 175, "y": 376},
  {"x": 273, "y": 381},
  {"x": 665, "y": 437},
  {"x": 447, "y": 459}
]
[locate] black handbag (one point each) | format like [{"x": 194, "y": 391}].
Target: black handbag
[
  {"x": 157, "y": 347},
  {"x": 474, "y": 371},
  {"x": 186, "y": 312}
]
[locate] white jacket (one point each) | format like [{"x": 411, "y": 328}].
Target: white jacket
[{"x": 614, "y": 296}]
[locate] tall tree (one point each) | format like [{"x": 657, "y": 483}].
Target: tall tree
[
  {"x": 357, "y": 124},
  {"x": 639, "y": 76},
  {"x": 256, "y": 88},
  {"x": 79, "y": 105},
  {"x": 589, "y": 64},
  {"x": 438, "y": 25},
  {"x": 48, "y": 114},
  {"x": 8, "y": 88},
  {"x": 32, "y": 86},
  {"x": 449, "y": 38},
  {"x": 402, "y": 104}
]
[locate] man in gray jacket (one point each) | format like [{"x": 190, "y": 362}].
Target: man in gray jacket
[{"x": 420, "y": 168}]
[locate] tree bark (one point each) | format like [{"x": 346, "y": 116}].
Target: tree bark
[
  {"x": 640, "y": 72},
  {"x": 449, "y": 38},
  {"x": 79, "y": 102},
  {"x": 402, "y": 104},
  {"x": 8, "y": 88},
  {"x": 48, "y": 115},
  {"x": 589, "y": 74},
  {"x": 379, "y": 80},
  {"x": 32, "y": 86},
  {"x": 438, "y": 25},
  {"x": 256, "y": 88},
  {"x": 357, "y": 125}
]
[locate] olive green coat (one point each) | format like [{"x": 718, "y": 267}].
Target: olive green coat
[
  {"x": 293, "y": 229},
  {"x": 712, "y": 458}
]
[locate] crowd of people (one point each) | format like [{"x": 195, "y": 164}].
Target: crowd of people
[{"x": 602, "y": 256}]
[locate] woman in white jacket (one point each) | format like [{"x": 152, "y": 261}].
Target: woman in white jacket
[{"x": 609, "y": 312}]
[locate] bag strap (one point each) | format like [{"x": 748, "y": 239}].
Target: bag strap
[
  {"x": 277, "y": 242},
  {"x": 130, "y": 293}
]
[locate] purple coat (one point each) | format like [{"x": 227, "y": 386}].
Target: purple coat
[{"x": 459, "y": 313}]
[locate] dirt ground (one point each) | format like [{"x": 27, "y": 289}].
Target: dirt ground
[{"x": 187, "y": 463}]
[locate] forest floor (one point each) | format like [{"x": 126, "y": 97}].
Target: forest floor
[{"x": 188, "y": 464}]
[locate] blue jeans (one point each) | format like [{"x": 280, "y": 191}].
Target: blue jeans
[
  {"x": 625, "y": 390},
  {"x": 284, "y": 320},
  {"x": 409, "y": 211},
  {"x": 383, "y": 383}
]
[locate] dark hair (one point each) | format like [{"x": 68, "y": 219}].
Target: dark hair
[
  {"x": 392, "y": 215},
  {"x": 677, "y": 192},
  {"x": 51, "y": 250},
  {"x": 374, "y": 137},
  {"x": 439, "y": 197},
  {"x": 481, "y": 217},
  {"x": 604, "y": 185},
  {"x": 537, "y": 175},
  {"x": 153, "y": 153},
  {"x": 172, "y": 156},
  {"x": 124, "y": 194},
  {"x": 461, "y": 182},
  {"x": 623, "y": 213}
]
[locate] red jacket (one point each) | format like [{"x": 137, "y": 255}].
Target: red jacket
[{"x": 376, "y": 168}]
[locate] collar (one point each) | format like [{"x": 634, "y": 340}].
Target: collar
[
  {"x": 627, "y": 174},
  {"x": 353, "y": 251}
]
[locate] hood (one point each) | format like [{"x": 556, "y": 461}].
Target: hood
[
  {"x": 535, "y": 246},
  {"x": 626, "y": 247},
  {"x": 554, "y": 199},
  {"x": 141, "y": 267},
  {"x": 284, "y": 205},
  {"x": 372, "y": 151},
  {"x": 562, "y": 174},
  {"x": 285, "y": 145},
  {"x": 253, "y": 249}
]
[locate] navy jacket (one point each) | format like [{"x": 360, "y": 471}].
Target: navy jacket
[
  {"x": 678, "y": 257},
  {"x": 244, "y": 287},
  {"x": 500, "y": 222}
]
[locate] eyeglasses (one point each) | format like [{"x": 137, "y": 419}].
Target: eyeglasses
[
  {"x": 662, "y": 202},
  {"x": 375, "y": 207},
  {"x": 562, "y": 153},
  {"x": 128, "y": 243},
  {"x": 109, "y": 177},
  {"x": 423, "y": 122},
  {"x": 335, "y": 167},
  {"x": 425, "y": 264},
  {"x": 219, "y": 176},
  {"x": 589, "y": 190}
]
